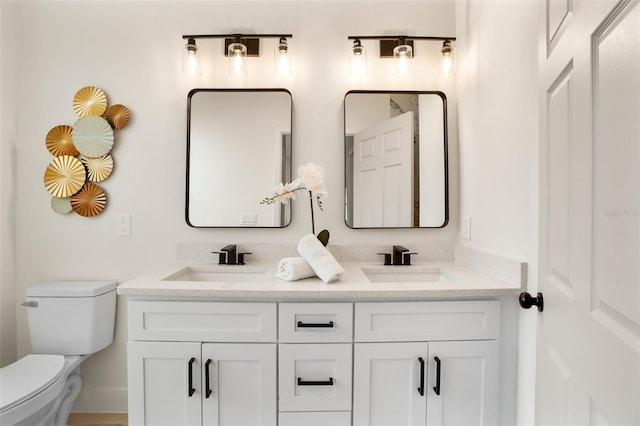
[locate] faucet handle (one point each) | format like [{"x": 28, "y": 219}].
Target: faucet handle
[
  {"x": 241, "y": 257},
  {"x": 222, "y": 257},
  {"x": 387, "y": 258},
  {"x": 406, "y": 259}
]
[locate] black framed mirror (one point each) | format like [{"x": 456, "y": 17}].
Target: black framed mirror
[
  {"x": 396, "y": 159},
  {"x": 239, "y": 145}
]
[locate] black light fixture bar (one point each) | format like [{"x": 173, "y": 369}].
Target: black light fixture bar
[
  {"x": 397, "y": 37},
  {"x": 388, "y": 43},
  {"x": 235, "y": 35},
  {"x": 252, "y": 41}
]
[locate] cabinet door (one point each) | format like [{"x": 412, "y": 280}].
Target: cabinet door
[
  {"x": 242, "y": 380},
  {"x": 159, "y": 386},
  {"x": 468, "y": 379},
  {"x": 386, "y": 381}
]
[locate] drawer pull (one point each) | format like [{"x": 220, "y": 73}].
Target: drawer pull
[
  {"x": 207, "y": 386},
  {"x": 421, "y": 388},
  {"x": 436, "y": 389},
  {"x": 315, "y": 382},
  {"x": 191, "y": 390},
  {"x": 329, "y": 324}
]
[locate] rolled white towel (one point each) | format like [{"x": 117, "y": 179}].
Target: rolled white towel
[
  {"x": 293, "y": 269},
  {"x": 323, "y": 263}
]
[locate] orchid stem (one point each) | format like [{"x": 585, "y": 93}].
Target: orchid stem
[{"x": 313, "y": 226}]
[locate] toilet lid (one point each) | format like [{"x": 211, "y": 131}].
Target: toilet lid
[{"x": 28, "y": 376}]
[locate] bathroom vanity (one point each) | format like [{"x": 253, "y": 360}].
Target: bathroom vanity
[{"x": 217, "y": 344}]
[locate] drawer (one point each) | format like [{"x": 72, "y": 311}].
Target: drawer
[
  {"x": 202, "y": 321},
  {"x": 420, "y": 321},
  {"x": 326, "y": 418},
  {"x": 315, "y": 322},
  {"x": 314, "y": 377}
]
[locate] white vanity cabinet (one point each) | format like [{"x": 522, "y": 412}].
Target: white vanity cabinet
[
  {"x": 426, "y": 363},
  {"x": 202, "y": 363},
  {"x": 199, "y": 362}
]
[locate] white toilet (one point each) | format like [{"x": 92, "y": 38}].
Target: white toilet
[{"x": 68, "y": 321}]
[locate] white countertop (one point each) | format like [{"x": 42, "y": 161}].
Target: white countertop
[{"x": 463, "y": 282}]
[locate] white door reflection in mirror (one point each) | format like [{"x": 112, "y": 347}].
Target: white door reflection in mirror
[
  {"x": 382, "y": 171},
  {"x": 396, "y": 159}
]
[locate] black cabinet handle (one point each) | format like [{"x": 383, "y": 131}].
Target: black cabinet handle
[
  {"x": 207, "y": 386},
  {"x": 191, "y": 389},
  {"x": 436, "y": 389},
  {"x": 527, "y": 301},
  {"x": 315, "y": 382},
  {"x": 421, "y": 388},
  {"x": 329, "y": 324}
]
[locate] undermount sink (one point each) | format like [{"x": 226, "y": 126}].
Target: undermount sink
[
  {"x": 217, "y": 274},
  {"x": 406, "y": 274}
]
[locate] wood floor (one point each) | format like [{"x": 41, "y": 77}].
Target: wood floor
[{"x": 97, "y": 419}]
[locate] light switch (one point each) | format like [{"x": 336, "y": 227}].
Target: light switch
[{"x": 248, "y": 219}]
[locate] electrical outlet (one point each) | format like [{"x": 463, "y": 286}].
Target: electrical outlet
[
  {"x": 466, "y": 228},
  {"x": 123, "y": 225}
]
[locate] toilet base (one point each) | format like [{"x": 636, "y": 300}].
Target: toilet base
[{"x": 56, "y": 411}]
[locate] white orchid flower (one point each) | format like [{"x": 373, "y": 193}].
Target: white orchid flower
[
  {"x": 312, "y": 176},
  {"x": 284, "y": 192},
  {"x": 312, "y": 180}
]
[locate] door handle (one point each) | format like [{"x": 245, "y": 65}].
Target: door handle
[
  {"x": 191, "y": 389},
  {"x": 421, "y": 388},
  {"x": 527, "y": 301},
  {"x": 207, "y": 386},
  {"x": 436, "y": 389}
]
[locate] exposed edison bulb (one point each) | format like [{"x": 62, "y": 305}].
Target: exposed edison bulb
[
  {"x": 190, "y": 60},
  {"x": 282, "y": 59},
  {"x": 402, "y": 54},
  {"x": 358, "y": 60},
  {"x": 237, "y": 53},
  {"x": 447, "y": 58}
]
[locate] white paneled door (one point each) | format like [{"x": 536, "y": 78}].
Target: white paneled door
[
  {"x": 383, "y": 174},
  {"x": 588, "y": 369}
]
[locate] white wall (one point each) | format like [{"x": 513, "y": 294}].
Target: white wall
[
  {"x": 133, "y": 51},
  {"x": 7, "y": 187},
  {"x": 498, "y": 125}
]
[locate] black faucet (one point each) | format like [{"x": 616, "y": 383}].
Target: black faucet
[
  {"x": 398, "y": 255},
  {"x": 227, "y": 255}
]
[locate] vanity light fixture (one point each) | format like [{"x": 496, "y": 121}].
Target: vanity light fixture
[
  {"x": 237, "y": 56},
  {"x": 190, "y": 59},
  {"x": 401, "y": 48},
  {"x": 403, "y": 54},
  {"x": 447, "y": 57},
  {"x": 358, "y": 59},
  {"x": 282, "y": 58},
  {"x": 237, "y": 48}
]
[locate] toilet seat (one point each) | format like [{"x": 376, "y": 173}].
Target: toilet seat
[{"x": 27, "y": 377}]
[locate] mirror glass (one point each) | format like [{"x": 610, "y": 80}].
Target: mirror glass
[
  {"x": 238, "y": 150},
  {"x": 396, "y": 159}
]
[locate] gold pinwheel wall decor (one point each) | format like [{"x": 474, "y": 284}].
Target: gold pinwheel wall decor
[{"x": 82, "y": 154}]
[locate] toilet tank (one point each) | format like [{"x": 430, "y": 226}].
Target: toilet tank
[{"x": 71, "y": 317}]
